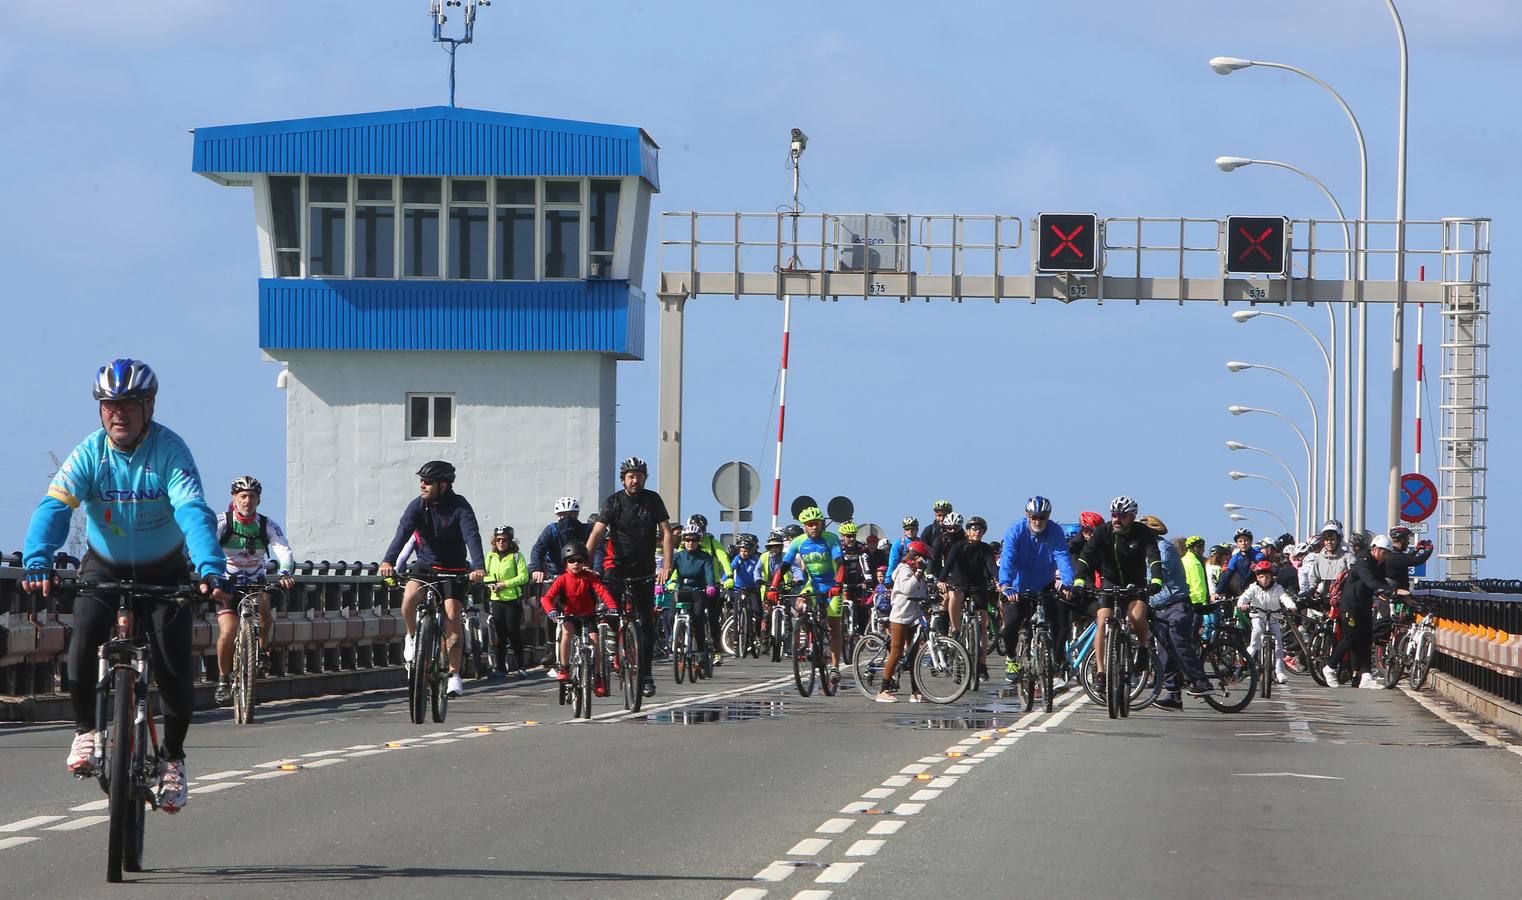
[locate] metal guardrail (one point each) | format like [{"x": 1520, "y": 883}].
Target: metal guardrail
[{"x": 1485, "y": 651}]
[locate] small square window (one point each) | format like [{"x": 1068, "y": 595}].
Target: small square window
[
  {"x": 421, "y": 190},
  {"x": 327, "y": 189},
  {"x": 430, "y": 417},
  {"x": 562, "y": 192},
  {"x": 467, "y": 191}
]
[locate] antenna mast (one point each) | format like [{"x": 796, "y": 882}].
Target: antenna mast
[{"x": 436, "y": 11}]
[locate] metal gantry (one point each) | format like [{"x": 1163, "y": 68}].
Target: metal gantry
[{"x": 905, "y": 256}]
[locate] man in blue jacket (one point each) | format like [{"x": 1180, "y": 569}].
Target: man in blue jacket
[
  {"x": 1178, "y": 653},
  {"x": 447, "y": 539},
  {"x": 1034, "y": 554}
]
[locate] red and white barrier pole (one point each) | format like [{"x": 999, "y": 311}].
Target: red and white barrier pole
[
  {"x": 1421, "y": 372},
  {"x": 787, "y": 319}
]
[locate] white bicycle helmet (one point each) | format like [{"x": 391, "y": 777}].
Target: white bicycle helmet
[
  {"x": 1122, "y": 505},
  {"x": 567, "y": 505},
  {"x": 952, "y": 520}
]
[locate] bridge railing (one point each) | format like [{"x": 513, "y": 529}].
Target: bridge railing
[
  {"x": 339, "y": 618},
  {"x": 1479, "y": 636}
]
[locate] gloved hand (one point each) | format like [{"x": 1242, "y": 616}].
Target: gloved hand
[
  {"x": 37, "y": 580},
  {"x": 710, "y": 590},
  {"x": 1155, "y": 587},
  {"x": 729, "y": 583},
  {"x": 659, "y": 589},
  {"x": 559, "y": 608},
  {"x": 771, "y": 596},
  {"x": 835, "y": 592}
]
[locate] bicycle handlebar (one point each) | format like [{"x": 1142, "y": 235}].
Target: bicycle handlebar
[{"x": 181, "y": 594}]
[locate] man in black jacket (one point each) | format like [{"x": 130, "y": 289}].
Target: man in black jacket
[
  {"x": 1366, "y": 582},
  {"x": 1401, "y": 556},
  {"x": 1126, "y": 555},
  {"x": 448, "y": 539},
  {"x": 544, "y": 559}
]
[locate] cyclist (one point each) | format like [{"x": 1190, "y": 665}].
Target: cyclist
[
  {"x": 1262, "y": 599},
  {"x": 970, "y": 570},
  {"x": 1088, "y": 523},
  {"x": 908, "y": 594},
  {"x": 723, "y": 571},
  {"x": 447, "y": 540},
  {"x": 1178, "y": 654},
  {"x": 877, "y": 552},
  {"x": 819, "y": 552},
  {"x": 859, "y": 578},
  {"x": 1327, "y": 561},
  {"x": 896, "y": 552},
  {"x": 248, "y": 538},
  {"x": 544, "y": 557},
  {"x": 1033, "y": 555},
  {"x": 772, "y": 569},
  {"x": 506, "y": 574},
  {"x": 932, "y": 532},
  {"x": 1366, "y": 583},
  {"x": 1236, "y": 575},
  {"x": 144, "y": 507},
  {"x": 746, "y": 571},
  {"x": 1126, "y": 556},
  {"x": 633, "y": 519},
  {"x": 951, "y": 534},
  {"x": 1400, "y": 557},
  {"x": 574, "y": 595},
  {"x": 693, "y": 581},
  {"x": 1194, "y": 571}
]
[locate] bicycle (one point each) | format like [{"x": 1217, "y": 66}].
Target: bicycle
[
  {"x": 810, "y": 648},
  {"x": 1412, "y": 638},
  {"x": 1034, "y": 650},
  {"x": 1119, "y": 650},
  {"x": 971, "y": 632},
  {"x": 1264, "y": 657},
  {"x": 248, "y": 645},
  {"x": 938, "y": 665},
  {"x": 686, "y": 662},
  {"x": 127, "y": 756},
  {"x": 626, "y": 655},
  {"x": 780, "y": 629},
  {"x": 578, "y": 689},
  {"x": 428, "y": 675},
  {"x": 478, "y": 656},
  {"x": 1230, "y": 670},
  {"x": 740, "y": 635}
]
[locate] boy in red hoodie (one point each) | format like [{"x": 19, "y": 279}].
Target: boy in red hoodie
[{"x": 574, "y": 594}]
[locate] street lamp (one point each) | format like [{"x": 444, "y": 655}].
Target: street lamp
[
  {"x": 1247, "y": 315},
  {"x": 1294, "y": 500},
  {"x": 1243, "y": 410},
  {"x": 1238, "y": 445},
  {"x": 1397, "y": 349},
  {"x": 1355, "y": 464},
  {"x": 1233, "y": 507},
  {"x": 1310, "y": 490}
]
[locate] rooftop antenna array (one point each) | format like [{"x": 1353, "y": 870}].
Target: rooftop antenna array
[{"x": 437, "y": 11}]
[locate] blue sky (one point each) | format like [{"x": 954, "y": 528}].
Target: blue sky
[{"x": 114, "y": 248}]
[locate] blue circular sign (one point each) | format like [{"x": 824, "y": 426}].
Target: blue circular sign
[{"x": 1418, "y": 497}]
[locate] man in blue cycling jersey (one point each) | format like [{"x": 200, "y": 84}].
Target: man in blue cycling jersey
[
  {"x": 141, "y": 495},
  {"x": 819, "y": 552},
  {"x": 1033, "y": 555}
]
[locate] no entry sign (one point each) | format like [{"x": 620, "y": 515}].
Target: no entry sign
[{"x": 1418, "y": 497}]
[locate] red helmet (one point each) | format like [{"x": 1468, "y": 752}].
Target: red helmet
[
  {"x": 919, "y": 548},
  {"x": 1090, "y": 519},
  {"x": 1262, "y": 565}
]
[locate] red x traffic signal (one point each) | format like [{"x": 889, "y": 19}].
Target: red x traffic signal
[
  {"x": 1257, "y": 245},
  {"x": 1067, "y": 242}
]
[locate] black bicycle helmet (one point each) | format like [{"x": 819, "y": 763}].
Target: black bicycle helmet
[
  {"x": 502, "y": 531},
  {"x": 633, "y": 464},
  {"x": 437, "y": 470},
  {"x": 574, "y": 550},
  {"x": 792, "y": 531}
]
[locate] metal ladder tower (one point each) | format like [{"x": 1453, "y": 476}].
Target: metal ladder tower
[{"x": 1462, "y": 434}]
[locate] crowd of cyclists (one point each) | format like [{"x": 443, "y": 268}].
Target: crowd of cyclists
[{"x": 146, "y": 513}]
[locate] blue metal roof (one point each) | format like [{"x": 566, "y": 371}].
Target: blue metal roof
[
  {"x": 323, "y": 314},
  {"x": 432, "y": 140}
]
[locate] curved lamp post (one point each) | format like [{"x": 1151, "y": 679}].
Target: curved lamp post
[
  {"x": 1238, "y": 445},
  {"x": 1294, "y": 501},
  {"x": 1310, "y": 490},
  {"x": 1233, "y": 507}
]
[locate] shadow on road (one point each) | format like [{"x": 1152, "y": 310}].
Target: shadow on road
[{"x": 320, "y": 874}]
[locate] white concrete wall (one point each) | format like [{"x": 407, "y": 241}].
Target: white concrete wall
[{"x": 530, "y": 427}]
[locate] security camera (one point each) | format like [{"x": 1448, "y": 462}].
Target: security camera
[{"x": 800, "y": 141}]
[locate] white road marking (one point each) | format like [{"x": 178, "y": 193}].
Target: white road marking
[
  {"x": 33, "y": 822},
  {"x": 809, "y": 847},
  {"x": 471, "y": 734},
  {"x": 1287, "y": 775},
  {"x": 908, "y": 809},
  {"x": 915, "y": 769},
  {"x": 778, "y": 870},
  {"x": 448, "y": 740},
  {"x": 896, "y": 781},
  {"x": 864, "y": 847},
  {"x": 618, "y": 715},
  {"x": 958, "y": 769},
  {"x": 230, "y": 773},
  {"x": 886, "y": 826},
  {"x": 275, "y": 764},
  {"x": 747, "y": 894},
  {"x": 375, "y": 752},
  {"x": 361, "y": 747},
  {"x": 945, "y": 781},
  {"x": 213, "y": 788},
  {"x": 932, "y": 759},
  {"x": 926, "y": 794},
  {"x": 7, "y": 843},
  {"x": 835, "y": 826},
  {"x": 321, "y": 753},
  {"x": 1256, "y": 734},
  {"x": 81, "y": 822},
  {"x": 320, "y": 763},
  {"x": 1465, "y": 727},
  {"x": 92, "y": 806},
  {"x": 263, "y": 776},
  {"x": 838, "y": 873},
  {"x": 877, "y": 793},
  {"x": 859, "y": 806},
  {"x": 438, "y": 734},
  {"x": 812, "y": 895}
]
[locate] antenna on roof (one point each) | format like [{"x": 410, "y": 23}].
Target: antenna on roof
[{"x": 436, "y": 12}]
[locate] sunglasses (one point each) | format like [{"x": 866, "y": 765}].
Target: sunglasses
[
  {"x": 976, "y": 528},
  {"x": 427, "y": 482}
]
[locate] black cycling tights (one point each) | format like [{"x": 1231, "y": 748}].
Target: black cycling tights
[
  {"x": 644, "y": 611},
  {"x": 172, "y": 660},
  {"x": 507, "y": 618}
]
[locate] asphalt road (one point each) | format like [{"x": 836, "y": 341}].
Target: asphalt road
[{"x": 740, "y": 788}]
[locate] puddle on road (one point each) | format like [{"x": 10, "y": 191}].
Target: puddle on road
[
  {"x": 736, "y": 711},
  {"x": 952, "y": 723}
]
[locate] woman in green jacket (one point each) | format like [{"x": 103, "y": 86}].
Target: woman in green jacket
[{"x": 506, "y": 574}]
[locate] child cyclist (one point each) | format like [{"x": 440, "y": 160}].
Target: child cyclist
[
  {"x": 907, "y": 593},
  {"x": 1263, "y": 600},
  {"x": 574, "y": 595},
  {"x": 693, "y": 581},
  {"x": 745, "y": 569}
]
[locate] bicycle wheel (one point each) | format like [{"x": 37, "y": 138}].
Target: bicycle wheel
[
  {"x": 729, "y": 639},
  {"x": 1231, "y": 674},
  {"x": 1146, "y": 682},
  {"x": 871, "y": 656},
  {"x": 679, "y": 650},
  {"x": 1111, "y": 672},
  {"x": 822, "y": 658},
  {"x": 970, "y": 629},
  {"x": 489, "y": 649},
  {"x": 1266, "y": 664},
  {"x": 1025, "y": 654},
  {"x": 418, "y": 675},
  {"x": 628, "y": 666},
  {"x": 1394, "y": 661},
  {"x": 1044, "y": 672},
  {"x": 123, "y": 792},
  {"x": 585, "y": 687},
  {"x": 803, "y": 658},
  {"x": 1088, "y": 676},
  {"x": 245, "y": 672},
  {"x": 132, "y": 851},
  {"x": 942, "y": 669},
  {"x": 1297, "y": 660},
  {"x": 752, "y": 636},
  {"x": 438, "y": 679},
  {"x": 1421, "y": 661}
]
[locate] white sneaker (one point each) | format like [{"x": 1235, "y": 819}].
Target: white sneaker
[
  {"x": 1369, "y": 681},
  {"x": 173, "y": 788},
  {"x": 81, "y": 759},
  {"x": 1281, "y": 677},
  {"x": 1059, "y": 684},
  {"x": 407, "y": 649},
  {"x": 1330, "y": 674},
  {"x": 456, "y": 686}
]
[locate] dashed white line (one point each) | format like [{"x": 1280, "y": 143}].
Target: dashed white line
[
  {"x": 958, "y": 769},
  {"x": 926, "y": 794},
  {"x": 908, "y": 809},
  {"x": 7, "y": 843},
  {"x": 361, "y": 747},
  {"x": 320, "y": 763},
  {"x": 878, "y": 793},
  {"x": 92, "y": 806},
  {"x": 438, "y": 734},
  {"x": 318, "y": 753},
  {"x": 916, "y": 768},
  {"x": 778, "y": 870},
  {"x": 834, "y": 826},
  {"x": 230, "y": 773},
  {"x": 858, "y": 807},
  {"x": 896, "y": 781},
  {"x": 448, "y": 740},
  {"x": 812, "y": 895},
  {"x": 213, "y": 788},
  {"x": 886, "y": 826},
  {"x": 864, "y": 847},
  {"x": 275, "y": 764},
  {"x": 375, "y": 752},
  {"x": 809, "y": 847},
  {"x": 838, "y": 873},
  {"x": 944, "y": 781},
  {"x": 33, "y": 822},
  {"x": 747, "y": 894},
  {"x": 262, "y": 776},
  {"x": 76, "y": 824}
]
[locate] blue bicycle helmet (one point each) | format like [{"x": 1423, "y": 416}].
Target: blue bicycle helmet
[
  {"x": 1038, "y": 507},
  {"x": 126, "y": 379}
]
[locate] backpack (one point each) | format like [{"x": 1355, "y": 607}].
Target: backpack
[
  {"x": 1334, "y": 593},
  {"x": 227, "y": 529}
]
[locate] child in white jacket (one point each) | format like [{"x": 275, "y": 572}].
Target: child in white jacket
[{"x": 1263, "y": 600}]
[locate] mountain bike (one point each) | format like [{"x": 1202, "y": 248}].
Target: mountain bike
[
  {"x": 428, "y": 675},
  {"x": 578, "y": 689},
  {"x": 939, "y": 668},
  {"x": 626, "y": 656},
  {"x": 780, "y": 629},
  {"x": 127, "y": 757},
  {"x": 811, "y": 648},
  {"x": 1230, "y": 670},
  {"x": 478, "y": 656},
  {"x": 1412, "y": 637},
  {"x": 1264, "y": 657},
  {"x": 1034, "y": 651},
  {"x": 248, "y": 644},
  {"x": 741, "y": 633},
  {"x": 686, "y": 662}
]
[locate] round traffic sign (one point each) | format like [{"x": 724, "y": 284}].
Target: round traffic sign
[
  {"x": 801, "y": 503},
  {"x": 871, "y": 529},
  {"x": 840, "y": 509},
  {"x": 1418, "y": 497},
  {"x": 736, "y": 485}
]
